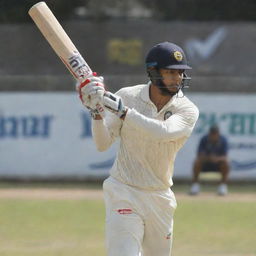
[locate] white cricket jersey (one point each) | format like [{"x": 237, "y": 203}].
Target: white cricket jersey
[{"x": 149, "y": 140}]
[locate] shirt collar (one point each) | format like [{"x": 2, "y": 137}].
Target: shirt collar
[{"x": 144, "y": 94}]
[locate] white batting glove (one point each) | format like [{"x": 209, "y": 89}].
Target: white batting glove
[
  {"x": 114, "y": 104},
  {"x": 91, "y": 93},
  {"x": 91, "y": 90}
]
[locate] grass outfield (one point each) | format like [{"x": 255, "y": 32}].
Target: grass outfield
[
  {"x": 51, "y": 227},
  {"x": 63, "y": 227}
]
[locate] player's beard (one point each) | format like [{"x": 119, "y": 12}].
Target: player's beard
[{"x": 165, "y": 91}]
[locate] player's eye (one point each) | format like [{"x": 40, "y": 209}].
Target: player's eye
[{"x": 171, "y": 72}]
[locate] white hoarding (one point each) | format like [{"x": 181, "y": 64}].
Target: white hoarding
[
  {"x": 47, "y": 135},
  {"x": 236, "y": 116}
]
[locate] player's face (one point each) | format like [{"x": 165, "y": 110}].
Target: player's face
[{"x": 172, "y": 78}]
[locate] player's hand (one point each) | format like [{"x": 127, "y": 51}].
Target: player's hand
[
  {"x": 91, "y": 92},
  {"x": 114, "y": 104}
]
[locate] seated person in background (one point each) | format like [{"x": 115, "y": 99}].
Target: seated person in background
[{"x": 211, "y": 157}]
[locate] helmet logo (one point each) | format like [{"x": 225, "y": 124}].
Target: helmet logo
[{"x": 178, "y": 55}]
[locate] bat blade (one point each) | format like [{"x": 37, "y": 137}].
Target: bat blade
[{"x": 59, "y": 41}]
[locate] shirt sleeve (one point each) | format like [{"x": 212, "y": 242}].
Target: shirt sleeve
[
  {"x": 177, "y": 126},
  {"x": 105, "y": 131}
]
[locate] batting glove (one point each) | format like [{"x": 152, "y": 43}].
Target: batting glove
[
  {"x": 91, "y": 90},
  {"x": 91, "y": 93},
  {"x": 114, "y": 104}
]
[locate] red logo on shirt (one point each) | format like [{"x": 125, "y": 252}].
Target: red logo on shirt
[
  {"x": 168, "y": 236},
  {"x": 124, "y": 211}
]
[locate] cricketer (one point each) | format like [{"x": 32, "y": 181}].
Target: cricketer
[{"x": 153, "y": 121}]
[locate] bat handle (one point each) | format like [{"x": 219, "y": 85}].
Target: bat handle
[{"x": 101, "y": 110}]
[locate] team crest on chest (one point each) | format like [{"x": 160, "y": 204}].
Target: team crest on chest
[{"x": 167, "y": 115}]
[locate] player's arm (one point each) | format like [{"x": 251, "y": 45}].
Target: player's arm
[
  {"x": 201, "y": 151},
  {"x": 103, "y": 136},
  {"x": 104, "y": 130},
  {"x": 219, "y": 158},
  {"x": 178, "y": 125},
  {"x": 224, "y": 152}
]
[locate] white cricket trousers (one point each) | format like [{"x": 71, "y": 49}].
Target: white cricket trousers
[{"x": 138, "y": 222}]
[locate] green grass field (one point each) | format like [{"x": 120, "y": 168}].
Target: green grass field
[{"x": 76, "y": 227}]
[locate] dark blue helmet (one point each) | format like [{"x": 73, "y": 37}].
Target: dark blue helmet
[{"x": 169, "y": 56}]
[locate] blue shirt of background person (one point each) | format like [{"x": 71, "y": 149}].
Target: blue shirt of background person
[
  {"x": 211, "y": 156},
  {"x": 217, "y": 147}
]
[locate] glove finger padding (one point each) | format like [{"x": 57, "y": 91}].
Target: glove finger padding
[
  {"x": 79, "y": 84},
  {"x": 96, "y": 96},
  {"x": 91, "y": 89}
]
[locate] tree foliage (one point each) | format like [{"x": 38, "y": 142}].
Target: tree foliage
[
  {"x": 15, "y": 11},
  {"x": 199, "y": 10}
]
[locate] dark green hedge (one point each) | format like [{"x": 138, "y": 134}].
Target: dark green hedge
[
  {"x": 225, "y": 10},
  {"x": 15, "y": 11}
]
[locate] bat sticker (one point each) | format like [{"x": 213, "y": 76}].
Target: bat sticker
[{"x": 79, "y": 66}]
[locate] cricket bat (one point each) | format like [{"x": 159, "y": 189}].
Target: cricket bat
[{"x": 60, "y": 41}]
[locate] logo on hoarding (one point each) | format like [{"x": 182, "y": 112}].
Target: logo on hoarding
[
  {"x": 235, "y": 124},
  {"x": 25, "y": 126}
]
